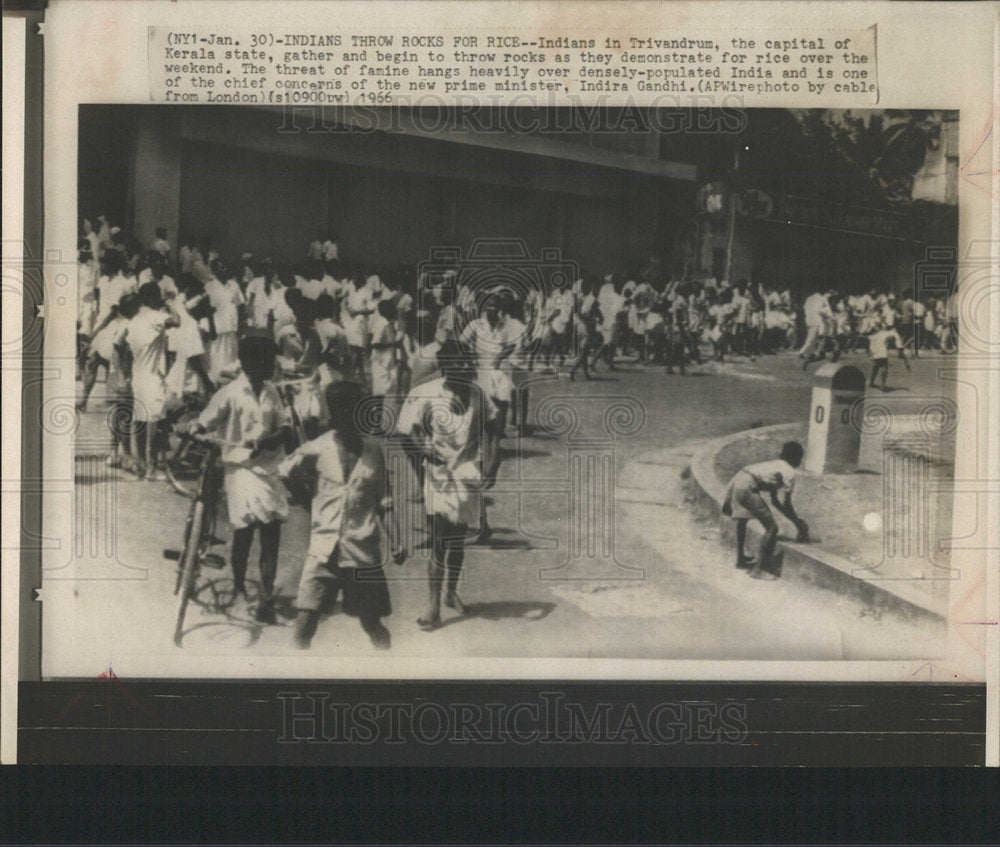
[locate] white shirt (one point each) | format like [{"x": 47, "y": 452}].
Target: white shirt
[
  {"x": 813, "y": 308},
  {"x": 87, "y": 276},
  {"x": 359, "y": 301},
  {"x": 226, "y": 298},
  {"x": 190, "y": 259},
  {"x": 147, "y": 339},
  {"x": 262, "y": 303},
  {"x": 772, "y": 475},
  {"x": 452, "y": 440},
  {"x": 311, "y": 288},
  {"x": 110, "y": 292},
  {"x": 332, "y": 286},
  {"x": 610, "y": 302},
  {"x": 384, "y": 361},
  {"x": 237, "y": 415},
  {"x": 168, "y": 288},
  {"x": 721, "y": 312},
  {"x": 405, "y": 304},
  {"x": 517, "y": 334},
  {"x": 878, "y": 343},
  {"x": 741, "y": 308},
  {"x": 328, "y": 330},
  {"x": 487, "y": 342},
  {"x": 185, "y": 340},
  {"x": 96, "y": 248},
  {"x": 111, "y": 336},
  {"x": 559, "y": 307}
]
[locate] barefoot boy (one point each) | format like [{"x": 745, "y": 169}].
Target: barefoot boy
[
  {"x": 350, "y": 511},
  {"x": 248, "y": 414},
  {"x": 744, "y": 501},
  {"x": 449, "y": 419},
  {"x": 880, "y": 342},
  {"x": 147, "y": 340}
]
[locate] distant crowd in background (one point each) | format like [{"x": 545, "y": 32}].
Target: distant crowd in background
[{"x": 382, "y": 326}]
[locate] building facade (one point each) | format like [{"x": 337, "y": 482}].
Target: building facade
[
  {"x": 606, "y": 188},
  {"x": 392, "y": 184}
]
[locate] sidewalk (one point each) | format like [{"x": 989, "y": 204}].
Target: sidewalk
[
  {"x": 657, "y": 497},
  {"x": 877, "y": 534}
]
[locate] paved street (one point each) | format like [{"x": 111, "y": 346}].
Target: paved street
[{"x": 644, "y": 588}]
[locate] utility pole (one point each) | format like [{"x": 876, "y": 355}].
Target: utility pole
[{"x": 732, "y": 215}]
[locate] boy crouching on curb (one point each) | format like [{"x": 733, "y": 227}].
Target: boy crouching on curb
[
  {"x": 351, "y": 509},
  {"x": 744, "y": 502}
]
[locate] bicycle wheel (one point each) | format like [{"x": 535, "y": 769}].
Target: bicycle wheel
[{"x": 189, "y": 567}]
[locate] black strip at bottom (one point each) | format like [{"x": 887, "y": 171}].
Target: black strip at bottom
[{"x": 365, "y": 723}]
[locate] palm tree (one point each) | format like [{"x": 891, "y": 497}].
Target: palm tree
[{"x": 888, "y": 146}]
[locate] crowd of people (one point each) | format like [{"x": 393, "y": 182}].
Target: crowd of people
[
  {"x": 305, "y": 368},
  {"x": 835, "y": 323}
]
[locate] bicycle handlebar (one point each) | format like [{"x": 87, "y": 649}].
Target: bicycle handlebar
[{"x": 209, "y": 439}]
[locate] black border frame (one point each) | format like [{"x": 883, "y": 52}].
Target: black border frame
[{"x": 112, "y": 721}]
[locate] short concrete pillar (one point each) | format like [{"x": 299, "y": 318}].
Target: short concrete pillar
[{"x": 834, "y": 432}]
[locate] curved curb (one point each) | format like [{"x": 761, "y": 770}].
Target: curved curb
[{"x": 803, "y": 562}]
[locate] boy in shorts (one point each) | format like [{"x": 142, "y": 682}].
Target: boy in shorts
[
  {"x": 881, "y": 340},
  {"x": 351, "y": 509},
  {"x": 744, "y": 502}
]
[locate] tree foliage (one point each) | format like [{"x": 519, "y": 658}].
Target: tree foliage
[{"x": 888, "y": 147}]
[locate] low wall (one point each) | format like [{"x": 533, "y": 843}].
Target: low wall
[{"x": 806, "y": 563}]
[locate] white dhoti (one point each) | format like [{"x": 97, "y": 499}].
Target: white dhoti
[
  {"x": 356, "y": 330},
  {"x": 254, "y": 495},
  {"x": 181, "y": 380},
  {"x": 149, "y": 396},
  {"x": 496, "y": 384},
  {"x": 385, "y": 372},
  {"x": 222, "y": 354},
  {"x": 453, "y": 494},
  {"x": 87, "y": 315}
]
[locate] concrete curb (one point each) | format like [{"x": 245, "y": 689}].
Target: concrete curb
[{"x": 804, "y": 563}]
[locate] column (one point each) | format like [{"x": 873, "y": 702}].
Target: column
[{"x": 156, "y": 191}]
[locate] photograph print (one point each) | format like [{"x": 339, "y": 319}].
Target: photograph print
[{"x": 510, "y": 384}]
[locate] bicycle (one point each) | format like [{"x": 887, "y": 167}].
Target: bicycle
[{"x": 195, "y": 471}]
